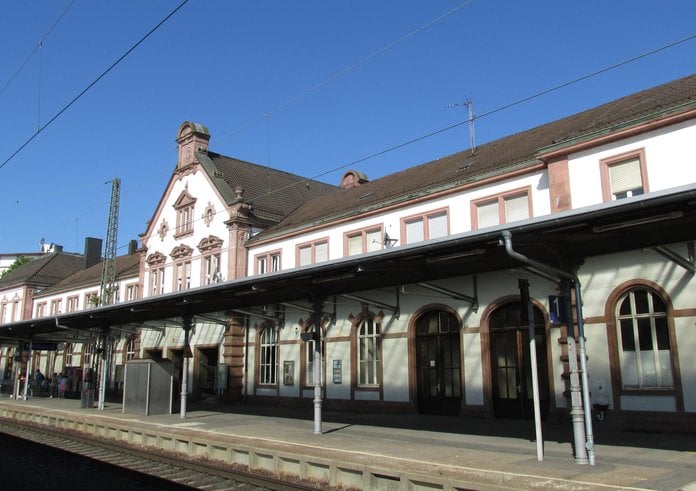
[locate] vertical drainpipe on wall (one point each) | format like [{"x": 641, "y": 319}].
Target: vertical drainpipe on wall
[{"x": 584, "y": 450}]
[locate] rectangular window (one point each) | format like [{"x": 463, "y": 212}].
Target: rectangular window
[
  {"x": 16, "y": 314},
  {"x": 183, "y": 276},
  {"x": 73, "y": 304},
  {"x": 314, "y": 252},
  {"x": 211, "y": 269},
  {"x": 268, "y": 263},
  {"x": 132, "y": 292},
  {"x": 424, "y": 227},
  {"x": 91, "y": 300},
  {"x": 184, "y": 220},
  {"x": 363, "y": 241},
  {"x": 3, "y": 313},
  {"x": 157, "y": 281},
  {"x": 502, "y": 208},
  {"x": 369, "y": 353},
  {"x": 55, "y": 307},
  {"x": 268, "y": 368},
  {"x": 624, "y": 175}
]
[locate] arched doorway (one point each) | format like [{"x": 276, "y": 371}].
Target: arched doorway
[
  {"x": 510, "y": 360},
  {"x": 438, "y": 363}
]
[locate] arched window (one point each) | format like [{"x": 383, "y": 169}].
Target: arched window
[
  {"x": 369, "y": 352},
  {"x": 644, "y": 341},
  {"x": 268, "y": 357},
  {"x": 130, "y": 348}
]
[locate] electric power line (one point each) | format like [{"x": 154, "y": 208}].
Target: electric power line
[
  {"x": 488, "y": 113},
  {"x": 37, "y": 46},
  {"x": 86, "y": 89},
  {"x": 349, "y": 68}
]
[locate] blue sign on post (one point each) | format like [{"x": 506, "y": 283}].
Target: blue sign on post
[{"x": 557, "y": 310}]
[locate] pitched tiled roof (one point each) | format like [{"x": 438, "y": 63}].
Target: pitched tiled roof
[
  {"x": 44, "y": 271},
  {"x": 273, "y": 193},
  {"x": 495, "y": 158},
  {"x": 125, "y": 267}
]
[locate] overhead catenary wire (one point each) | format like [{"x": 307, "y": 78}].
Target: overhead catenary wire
[
  {"x": 93, "y": 83},
  {"x": 38, "y": 46},
  {"x": 438, "y": 131},
  {"x": 347, "y": 69},
  {"x": 498, "y": 109}
]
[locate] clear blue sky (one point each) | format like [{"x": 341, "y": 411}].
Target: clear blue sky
[{"x": 227, "y": 64}]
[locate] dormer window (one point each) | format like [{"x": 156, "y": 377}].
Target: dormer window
[{"x": 184, "y": 207}]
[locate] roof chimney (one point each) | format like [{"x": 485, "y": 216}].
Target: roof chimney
[
  {"x": 132, "y": 247},
  {"x": 93, "y": 249},
  {"x": 353, "y": 178}
]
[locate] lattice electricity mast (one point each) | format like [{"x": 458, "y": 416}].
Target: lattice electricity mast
[{"x": 108, "y": 280}]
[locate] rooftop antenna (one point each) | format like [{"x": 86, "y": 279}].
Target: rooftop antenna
[{"x": 470, "y": 109}]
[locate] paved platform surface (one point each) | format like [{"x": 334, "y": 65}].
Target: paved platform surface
[{"x": 488, "y": 454}]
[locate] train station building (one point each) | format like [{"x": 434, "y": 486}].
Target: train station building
[{"x": 419, "y": 292}]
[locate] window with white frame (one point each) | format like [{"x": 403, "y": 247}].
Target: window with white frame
[
  {"x": 268, "y": 263},
  {"x": 56, "y": 306},
  {"x": 87, "y": 351},
  {"x": 91, "y": 300},
  {"x": 362, "y": 241},
  {"x": 16, "y": 314},
  {"x": 73, "y": 303},
  {"x": 132, "y": 292},
  {"x": 3, "y": 313},
  {"x": 502, "y": 208},
  {"x": 645, "y": 349},
  {"x": 41, "y": 309},
  {"x": 184, "y": 207},
  {"x": 68, "y": 354},
  {"x": 183, "y": 275},
  {"x": 268, "y": 359},
  {"x": 157, "y": 281},
  {"x": 424, "y": 227},
  {"x": 313, "y": 252},
  {"x": 624, "y": 175},
  {"x": 130, "y": 348},
  {"x": 369, "y": 353},
  {"x": 211, "y": 268}
]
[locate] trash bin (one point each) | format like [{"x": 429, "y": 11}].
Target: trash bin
[{"x": 87, "y": 400}]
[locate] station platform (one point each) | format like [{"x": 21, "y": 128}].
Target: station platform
[{"x": 390, "y": 452}]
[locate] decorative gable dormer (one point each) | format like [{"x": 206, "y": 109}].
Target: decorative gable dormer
[
  {"x": 184, "y": 206},
  {"x": 192, "y": 138}
]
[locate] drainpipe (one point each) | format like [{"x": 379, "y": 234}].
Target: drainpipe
[
  {"x": 584, "y": 443},
  {"x": 583, "y": 371}
]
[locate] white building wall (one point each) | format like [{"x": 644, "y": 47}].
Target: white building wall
[
  {"x": 459, "y": 215},
  {"x": 670, "y": 155},
  {"x": 199, "y": 187},
  {"x": 600, "y": 276}
]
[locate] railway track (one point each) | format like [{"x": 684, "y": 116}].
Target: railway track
[{"x": 195, "y": 475}]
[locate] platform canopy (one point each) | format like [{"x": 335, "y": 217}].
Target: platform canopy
[{"x": 561, "y": 240}]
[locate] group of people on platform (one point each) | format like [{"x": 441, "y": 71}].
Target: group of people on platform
[{"x": 56, "y": 386}]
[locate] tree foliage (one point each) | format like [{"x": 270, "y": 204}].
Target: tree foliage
[{"x": 20, "y": 261}]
